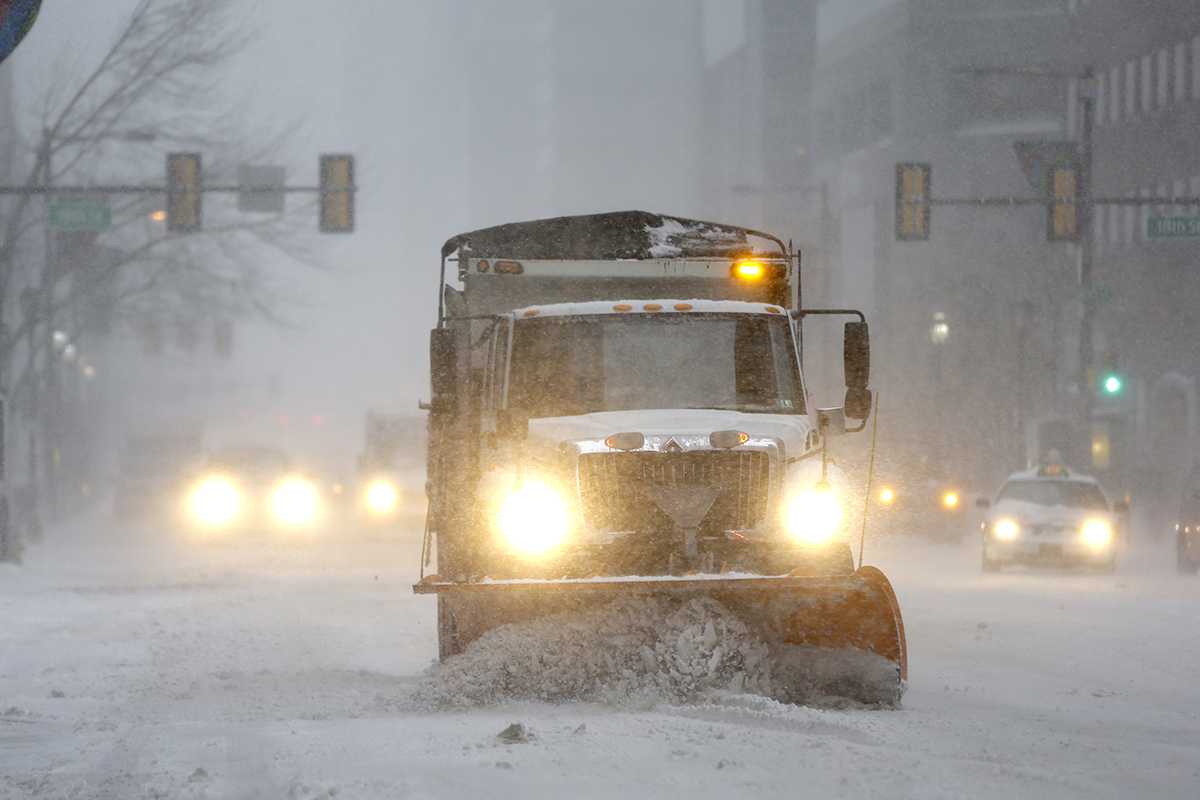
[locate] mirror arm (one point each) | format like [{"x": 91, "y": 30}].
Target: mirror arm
[{"x": 801, "y": 313}]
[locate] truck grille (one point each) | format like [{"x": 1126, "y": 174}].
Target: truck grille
[{"x": 609, "y": 484}]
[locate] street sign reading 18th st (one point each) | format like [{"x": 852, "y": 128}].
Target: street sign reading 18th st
[
  {"x": 77, "y": 214},
  {"x": 1173, "y": 228}
]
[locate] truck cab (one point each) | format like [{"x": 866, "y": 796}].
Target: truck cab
[{"x": 631, "y": 406}]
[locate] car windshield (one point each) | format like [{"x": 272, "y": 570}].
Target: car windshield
[
  {"x": 567, "y": 366},
  {"x": 253, "y": 462},
  {"x": 1070, "y": 494}
]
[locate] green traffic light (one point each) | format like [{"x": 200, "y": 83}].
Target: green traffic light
[{"x": 1113, "y": 384}]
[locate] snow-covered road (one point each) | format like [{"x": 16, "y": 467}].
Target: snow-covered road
[{"x": 136, "y": 667}]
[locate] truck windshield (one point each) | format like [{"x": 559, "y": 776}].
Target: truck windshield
[{"x": 577, "y": 365}]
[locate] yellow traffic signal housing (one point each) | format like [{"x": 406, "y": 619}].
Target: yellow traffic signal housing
[
  {"x": 184, "y": 192},
  {"x": 913, "y": 209},
  {"x": 337, "y": 194},
  {"x": 1062, "y": 221}
]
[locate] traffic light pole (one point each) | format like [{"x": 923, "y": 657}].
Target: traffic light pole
[{"x": 1087, "y": 244}]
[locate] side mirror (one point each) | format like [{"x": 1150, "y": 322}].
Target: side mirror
[
  {"x": 512, "y": 424},
  {"x": 983, "y": 502},
  {"x": 856, "y": 360},
  {"x": 443, "y": 369},
  {"x": 857, "y": 404}
]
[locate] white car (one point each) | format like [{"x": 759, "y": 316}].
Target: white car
[{"x": 1050, "y": 515}]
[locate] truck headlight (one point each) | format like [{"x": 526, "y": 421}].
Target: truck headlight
[
  {"x": 215, "y": 502},
  {"x": 533, "y": 518},
  {"x": 295, "y": 502},
  {"x": 813, "y": 516},
  {"x": 382, "y": 498},
  {"x": 1006, "y": 529},
  {"x": 1097, "y": 533}
]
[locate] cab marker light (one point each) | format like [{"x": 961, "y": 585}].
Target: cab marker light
[
  {"x": 509, "y": 268},
  {"x": 631, "y": 440},
  {"x": 726, "y": 440},
  {"x": 482, "y": 265},
  {"x": 683, "y": 306},
  {"x": 652, "y": 307},
  {"x": 622, "y": 307}
]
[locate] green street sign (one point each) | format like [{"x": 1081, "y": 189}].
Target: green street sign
[
  {"x": 78, "y": 214},
  {"x": 1173, "y": 228}
]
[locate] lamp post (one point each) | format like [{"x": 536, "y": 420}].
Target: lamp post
[{"x": 939, "y": 334}]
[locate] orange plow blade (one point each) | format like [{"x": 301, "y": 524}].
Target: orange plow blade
[{"x": 830, "y": 636}]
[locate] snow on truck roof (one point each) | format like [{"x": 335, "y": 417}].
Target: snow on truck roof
[
  {"x": 647, "y": 307},
  {"x": 614, "y": 235}
]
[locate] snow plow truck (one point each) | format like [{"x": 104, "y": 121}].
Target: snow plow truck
[{"x": 618, "y": 409}]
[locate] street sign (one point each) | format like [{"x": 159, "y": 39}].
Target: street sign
[
  {"x": 80, "y": 214},
  {"x": 1173, "y": 228}
]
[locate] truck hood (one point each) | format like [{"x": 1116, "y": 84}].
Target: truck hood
[{"x": 793, "y": 431}]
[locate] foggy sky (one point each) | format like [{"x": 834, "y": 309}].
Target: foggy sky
[{"x": 389, "y": 81}]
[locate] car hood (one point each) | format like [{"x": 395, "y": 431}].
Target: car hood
[
  {"x": 794, "y": 432},
  {"x": 1034, "y": 514}
]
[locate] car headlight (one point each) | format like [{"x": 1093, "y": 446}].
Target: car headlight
[
  {"x": 951, "y": 500},
  {"x": 887, "y": 496},
  {"x": 533, "y": 518},
  {"x": 295, "y": 502},
  {"x": 1006, "y": 529},
  {"x": 382, "y": 498},
  {"x": 215, "y": 502},
  {"x": 1097, "y": 533},
  {"x": 813, "y": 516}
]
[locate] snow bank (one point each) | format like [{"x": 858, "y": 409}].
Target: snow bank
[
  {"x": 639, "y": 652},
  {"x": 631, "y": 651}
]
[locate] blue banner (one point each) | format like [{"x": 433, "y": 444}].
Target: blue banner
[{"x": 16, "y": 18}]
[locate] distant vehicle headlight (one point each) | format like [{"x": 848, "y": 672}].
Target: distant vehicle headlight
[
  {"x": 215, "y": 502},
  {"x": 813, "y": 516},
  {"x": 1006, "y": 529},
  {"x": 1097, "y": 533},
  {"x": 533, "y": 518},
  {"x": 295, "y": 502},
  {"x": 382, "y": 498},
  {"x": 951, "y": 500},
  {"x": 887, "y": 496}
]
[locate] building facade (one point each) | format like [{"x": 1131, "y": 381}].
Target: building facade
[{"x": 1146, "y": 59}]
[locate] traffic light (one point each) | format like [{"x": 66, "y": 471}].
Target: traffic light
[
  {"x": 1062, "y": 217},
  {"x": 1112, "y": 384},
  {"x": 184, "y": 192},
  {"x": 1110, "y": 381},
  {"x": 913, "y": 212},
  {"x": 337, "y": 194}
]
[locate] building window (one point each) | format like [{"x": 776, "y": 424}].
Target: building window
[
  {"x": 1130, "y": 221},
  {"x": 1180, "y": 72},
  {"x": 1114, "y": 108},
  {"x": 1147, "y": 84},
  {"x": 1196, "y": 68},
  {"x": 1164, "y": 77},
  {"x": 1131, "y": 88}
]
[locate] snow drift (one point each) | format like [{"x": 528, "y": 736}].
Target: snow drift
[{"x": 641, "y": 651}]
